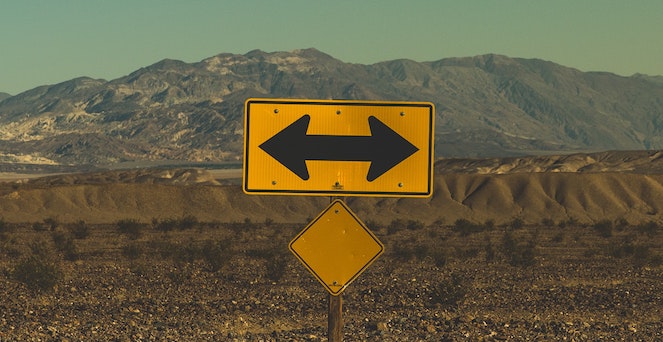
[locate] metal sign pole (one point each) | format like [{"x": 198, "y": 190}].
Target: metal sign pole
[
  {"x": 335, "y": 313},
  {"x": 335, "y": 319}
]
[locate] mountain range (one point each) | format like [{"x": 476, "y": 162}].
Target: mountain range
[{"x": 486, "y": 106}]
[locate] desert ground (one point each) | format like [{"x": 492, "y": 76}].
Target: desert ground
[{"x": 522, "y": 249}]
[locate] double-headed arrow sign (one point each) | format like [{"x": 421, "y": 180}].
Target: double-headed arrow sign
[
  {"x": 384, "y": 148},
  {"x": 324, "y": 147}
]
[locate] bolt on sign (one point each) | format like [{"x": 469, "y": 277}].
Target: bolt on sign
[
  {"x": 336, "y": 247},
  {"x": 338, "y": 147}
]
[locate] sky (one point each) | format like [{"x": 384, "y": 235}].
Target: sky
[{"x": 51, "y": 41}]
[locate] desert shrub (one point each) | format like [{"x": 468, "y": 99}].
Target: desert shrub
[
  {"x": 164, "y": 225},
  {"x": 650, "y": 228},
  {"x": 641, "y": 255},
  {"x": 404, "y": 252},
  {"x": 132, "y": 251},
  {"x": 187, "y": 222},
  {"x": 187, "y": 253},
  {"x": 132, "y": 228},
  {"x": 396, "y": 225},
  {"x": 276, "y": 260},
  {"x": 465, "y": 227},
  {"x": 64, "y": 243},
  {"x": 590, "y": 253},
  {"x": 518, "y": 253},
  {"x": 440, "y": 257},
  {"x": 51, "y": 223},
  {"x": 621, "y": 224},
  {"x": 183, "y": 223},
  {"x": 548, "y": 222},
  {"x": 38, "y": 271},
  {"x": 142, "y": 269},
  {"x": 620, "y": 250},
  {"x": 557, "y": 238},
  {"x": 517, "y": 223},
  {"x": 603, "y": 228},
  {"x": 415, "y": 225},
  {"x": 163, "y": 248},
  {"x": 10, "y": 248},
  {"x": 467, "y": 253},
  {"x": 421, "y": 251},
  {"x": 80, "y": 229},
  {"x": 276, "y": 266},
  {"x": 216, "y": 254},
  {"x": 439, "y": 222},
  {"x": 491, "y": 253},
  {"x": 372, "y": 225},
  {"x": 449, "y": 292},
  {"x": 4, "y": 226},
  {"x": 39, "y": 227}
]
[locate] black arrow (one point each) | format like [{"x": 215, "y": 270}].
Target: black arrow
[{"x": 384, "y": 148}]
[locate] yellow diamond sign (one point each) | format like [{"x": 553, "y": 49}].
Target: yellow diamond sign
[{"x": 336, "y": 247}]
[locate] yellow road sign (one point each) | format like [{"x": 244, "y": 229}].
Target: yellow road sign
[
  {"x": 336, "y": 247},
  {"x": 338, "y": 147}
]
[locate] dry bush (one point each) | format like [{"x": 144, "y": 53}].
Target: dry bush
[
  {"x": 449, "y": 292},
  {"x": 132, "y": 228},
  {"x": 216, "y": 254},
  {"x": 650, "y": 228},
  {"x": 79, "y": 230},
  {"x": 64, "y": 243},
  {"x": 518, "y": 253},
  {"x": 603, "y": 228},
  {"x": 132, "y": 251},
  {"x": 38, "y": 270},
  {"x": 465, "y": 227}
]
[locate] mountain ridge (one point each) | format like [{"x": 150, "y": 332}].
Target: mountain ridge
[{"x": 488, "y": 105}]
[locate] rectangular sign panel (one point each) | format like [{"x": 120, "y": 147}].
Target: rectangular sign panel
[{"x": 338, "y": 147}]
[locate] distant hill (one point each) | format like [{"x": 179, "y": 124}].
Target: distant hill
[
  {"x": 4, "y": 96},
  {"x": 487, "y": 106},
  {"x": 583, "y": 188}
]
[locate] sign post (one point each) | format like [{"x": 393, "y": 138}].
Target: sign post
[
  {"x": 335, "y": 319},
  {"x": 334, "y": 148},
  {"x": 336, "y": 248}
]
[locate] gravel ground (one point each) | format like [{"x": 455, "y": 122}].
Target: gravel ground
[{"x": 572, "y": 290}]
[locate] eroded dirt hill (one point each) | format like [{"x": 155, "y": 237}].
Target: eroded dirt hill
[{"x": 583, "y": 188}]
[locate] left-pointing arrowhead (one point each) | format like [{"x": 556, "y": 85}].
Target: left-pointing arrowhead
[{"x": 286, "y": 147}]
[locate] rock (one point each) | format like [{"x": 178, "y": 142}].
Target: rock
[{"x": 382, "y": 326}]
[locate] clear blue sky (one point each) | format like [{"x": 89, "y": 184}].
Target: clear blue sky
[{"x": 51, "y": 41}]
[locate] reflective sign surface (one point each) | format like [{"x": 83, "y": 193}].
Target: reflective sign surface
[
  {"x": 336, "y": 247},
  {"x": 319, "y": 147}
]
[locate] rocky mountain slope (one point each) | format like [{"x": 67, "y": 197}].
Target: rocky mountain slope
[{"x": 487, "y": 105}]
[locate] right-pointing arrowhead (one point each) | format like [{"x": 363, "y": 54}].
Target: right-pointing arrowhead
[{"x": 390, "y": 148}]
